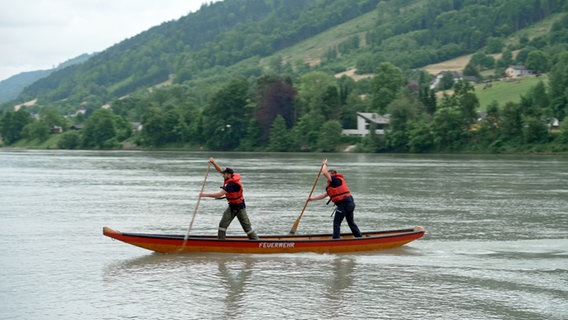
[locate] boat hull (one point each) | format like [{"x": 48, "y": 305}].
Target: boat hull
[{"x": 318, "y": 243}]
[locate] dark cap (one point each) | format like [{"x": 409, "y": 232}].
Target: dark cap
[
  {"x": 228, "y": 170},
  {"x": 332, "y": 171}
]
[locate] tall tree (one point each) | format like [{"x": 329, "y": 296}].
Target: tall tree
[
  {"x": 99, "y": 129},
  {"x": 511, "y": 123},
  {"x": 329, "y": 136},
  {"x": 279, "y": 136},
  {"x": 274, "y": 97},
  {"x": 538, "y": 61},
  {"x": 558, "y": 82},
  {"x": 312, "y": 91},
  {"x": 225, "y": 117},
  {"x": 12, "y": 125},
  {"x": 386, "y": 84}
]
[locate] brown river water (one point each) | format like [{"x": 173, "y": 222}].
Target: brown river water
[{"x": 496, "y": 244}]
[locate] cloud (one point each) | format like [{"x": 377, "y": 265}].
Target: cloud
[{"x": 40, "y": 34}]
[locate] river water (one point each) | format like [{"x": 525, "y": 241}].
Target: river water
[{"x": 496, "y": 247}]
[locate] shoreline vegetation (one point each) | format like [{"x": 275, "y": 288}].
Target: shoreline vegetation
[{"x": 24, "y": 145}]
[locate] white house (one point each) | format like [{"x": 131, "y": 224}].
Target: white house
[
  {"x": 517, "y": 71},
  {"x": 364, "y": 122}
]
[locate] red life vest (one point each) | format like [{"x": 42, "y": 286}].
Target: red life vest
[
  {"x": 340, "y": 192},
  {"x": 234, "y": 197}
]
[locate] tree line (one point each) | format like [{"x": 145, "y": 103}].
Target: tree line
[{"x": 308, "y": 113}]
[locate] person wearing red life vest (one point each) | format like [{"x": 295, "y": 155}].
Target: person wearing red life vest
[
  {"x": 232, "y": 189},
  {"x": 339, "y": 193}
]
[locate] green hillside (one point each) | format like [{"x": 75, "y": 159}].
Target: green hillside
[
  {"x": 312, "y": 50},
  {"x": 263, "y": 75},
  {"x": 506, "y": 90}
]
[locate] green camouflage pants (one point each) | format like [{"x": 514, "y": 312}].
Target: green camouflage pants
[{"x": 228, "y": 217}]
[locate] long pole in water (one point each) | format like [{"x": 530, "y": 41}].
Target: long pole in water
[
  {"x": 196, "y": 206},
  {"x": 295, "y": 226}
]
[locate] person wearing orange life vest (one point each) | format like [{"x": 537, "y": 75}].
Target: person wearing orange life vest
[
  {"x": 232, "y": 189},
  {"x": 339, "y": 193}
]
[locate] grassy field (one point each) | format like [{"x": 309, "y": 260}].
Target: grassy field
[
  {"x": 506, "y": 90},
  {"x": 50, "y": 143},
  {"x": 311, "y": 50}
]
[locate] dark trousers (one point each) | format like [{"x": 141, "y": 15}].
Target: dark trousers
[
  {"x": 345, "y": 210},
  {"x": 228, "y": 217}
]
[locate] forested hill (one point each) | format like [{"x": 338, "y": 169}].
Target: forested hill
[
  {"x": 12, "y": 87},
  {"x": 228, "y": 38},
  {"x": 218, "y": 35}
]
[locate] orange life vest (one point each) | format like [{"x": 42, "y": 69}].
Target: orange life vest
[
  {"x": 340, "y": 192},
  {"x": 235, "y": 197}
]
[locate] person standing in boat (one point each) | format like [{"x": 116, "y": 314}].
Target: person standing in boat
[
  {"x": 339, "y": 193},
  {"x": 232, "y": 189}
]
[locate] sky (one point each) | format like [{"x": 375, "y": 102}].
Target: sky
[{"x": 41, "y": 34}]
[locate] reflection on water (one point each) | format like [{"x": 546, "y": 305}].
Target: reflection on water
[
  {"x": 235, "y": 275},
  {"x": 233, "y": 281}
]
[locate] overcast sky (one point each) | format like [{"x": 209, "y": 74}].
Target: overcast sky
[{"x": 41, "y": 34}]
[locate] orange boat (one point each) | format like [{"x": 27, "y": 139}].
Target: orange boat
[{"x": 319, "y": 243}]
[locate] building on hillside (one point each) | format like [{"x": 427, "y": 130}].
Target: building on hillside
[
  {"x": 456, "y": 76},
  {"x": 364, "y": 121},
  {"x": 517, "y": 71}
]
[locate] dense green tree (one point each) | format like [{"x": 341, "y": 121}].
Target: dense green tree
[
  {"x": 39, "y": 130},
  {"x": 252, "y": 141},
  {"x": 534, "y": 130},
  {"x": 558, "y": 83},
  {"x": 329, "y": 136},
  {"x": 370, "y": 142},
  {"x": 353, "y": 104},
  {"x": 471, "y": 71},
  {"x": 538, "y": 61},
  {"x": 487, "y": 131},
  {"x": 402, "y": 112},
  {"x": 53, "y": 118},
  {"x": 495, "y": 45},
  {"x": 312, "y": 91},
  {"x": 447, "y": 127},
  {"x": 420, "y": 137},
  {"x": 331, "y": 106},
  {"x": 225, "y": 117},
  {"x": 123, "y": 128},
  {"x": 153, "y": 128},
  {"x": 467, "y": 101},
  {"x": 540, "y": 96},
  {"x": 428, "y": 99},
  {"x": 131, "y": 108},
  {"x": 386, "y": 84},
  {"x": 521, "y": 57},
  {"x": 69, "y": 140},
  {"x": 563, "y": 135},
  {"x": 305, "y": 134},
  {"x": 12, "y": 125},
  {"x": 99, "y": 130},
  {"x": 447, "y": 82},
  {"x": 279, "y": 136},
  {"x": 511, "y": 124},
  {"x": 274, "y": 96},
  {"x": 505, "y": 60}
]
